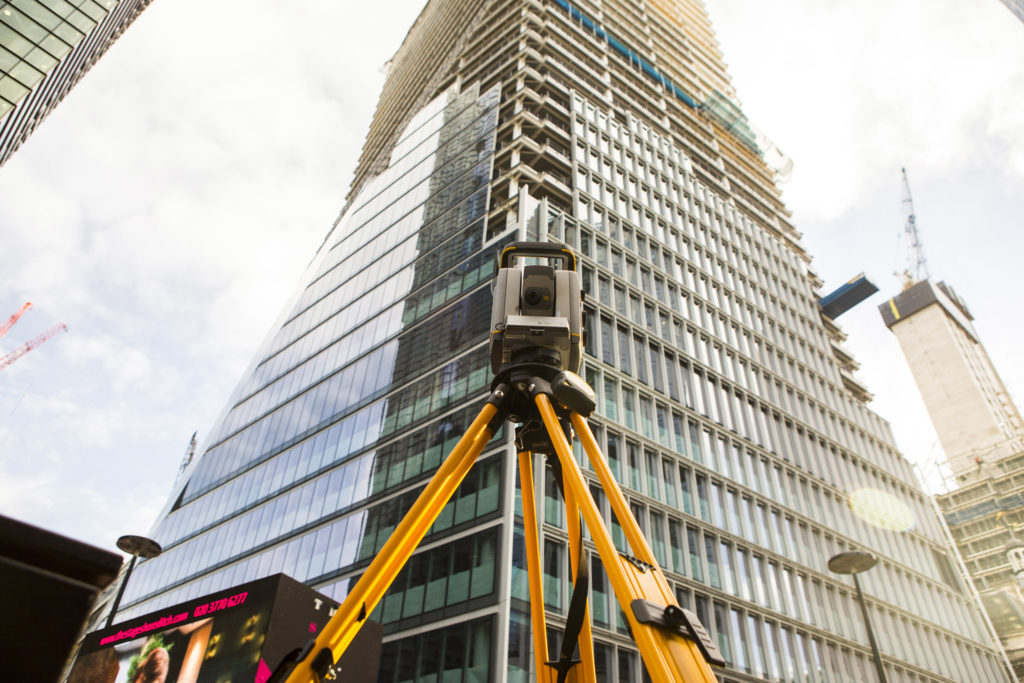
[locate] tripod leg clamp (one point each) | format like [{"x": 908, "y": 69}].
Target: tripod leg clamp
[
  {"x": 323, "y": 665},
  {"x": 681, "y": 621},
  {"x": 288, "y": 662}
]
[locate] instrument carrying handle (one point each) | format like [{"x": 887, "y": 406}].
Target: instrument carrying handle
[{"x": 552, "y": 250}]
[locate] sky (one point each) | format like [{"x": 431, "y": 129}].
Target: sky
[{"x": 167, "y": 208}]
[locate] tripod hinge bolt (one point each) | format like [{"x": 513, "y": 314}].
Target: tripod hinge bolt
[{"x": 499, "y": 392}]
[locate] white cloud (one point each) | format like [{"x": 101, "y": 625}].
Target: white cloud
[
  {"x": 35, "y": 491},
  {"x": 165, "y": 211},
  {"x": 851, "y": 91}
]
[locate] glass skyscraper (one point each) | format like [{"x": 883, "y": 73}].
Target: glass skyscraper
[
  {"x": 1015, "y": 6},
  {"x": 728, "y": 408},
  {"x": 46, "y": 46}
]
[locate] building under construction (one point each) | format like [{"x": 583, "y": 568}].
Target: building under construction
[
  {"x": 982, "y": 434},
  {"x": 980, "y": 430}
]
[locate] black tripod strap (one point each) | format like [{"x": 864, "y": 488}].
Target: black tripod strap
[
  {"x": 574, "y": 620},
  {"x": 577, "y": 613}
]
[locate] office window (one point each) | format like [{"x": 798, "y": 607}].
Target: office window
[
  {"x": 600, "y": 593},
  {"x": 711, "y": 554},
  {"x": 555, "y": 574},
  {"x": 627, "y": 667},
  {"x": 722, "y": 633},
  {"x": 702, "y": 497},
  {"x": 668, "y": 479},
  {"x": 607, "y": 342},
  {"x": 759, "y": 658},
  {"x": 775, "y": 656},
  {"x": 696, "y": 563},
  {"x": 611, "y": 402},
  {"x": 657, "y": 538},
  {"x": 634, "y": 466},
  {"x": 728, "y": 563},
  {"x": 677, "y": 545},
  {"x": 629, "y": 407},
  {"x": 454, "y": 653},
  {"x": 739, "y": 640},
  {"x": 653, "y": 470},
  {"x": 686, "y": 486},
  {"x": 625, "y": 351}
]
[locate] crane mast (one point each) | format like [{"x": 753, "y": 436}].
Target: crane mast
[{"x": 916, "y": 267}]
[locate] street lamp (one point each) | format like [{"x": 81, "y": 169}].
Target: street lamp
[
  {"x": 854, "y": 562},
  {"x": 136, "y": 546}
]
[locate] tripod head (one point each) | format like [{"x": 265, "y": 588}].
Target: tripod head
[{"x": 537, "y": 312}]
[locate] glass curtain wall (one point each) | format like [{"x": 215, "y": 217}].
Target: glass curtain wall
[
  {"x": 372, "y": 377},
  {"x": 46, "y": 46}
]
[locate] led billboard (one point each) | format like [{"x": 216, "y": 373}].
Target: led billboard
[{"x": 238, "y": 634}]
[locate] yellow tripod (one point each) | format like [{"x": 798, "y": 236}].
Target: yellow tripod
[{"x": 545, "y": 400}]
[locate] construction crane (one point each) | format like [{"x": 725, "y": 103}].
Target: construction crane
[
  {"x": 30, "y": 344},
  {"x": 190, "y": 452},
  {"x": 916, "y": 266},
  {"x": 14, "y": 318}
]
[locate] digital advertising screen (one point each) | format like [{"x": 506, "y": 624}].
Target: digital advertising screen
[{"x": 235, "y": 635}]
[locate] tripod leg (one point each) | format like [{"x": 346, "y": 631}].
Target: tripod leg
[
  {"x": 670, "y": 656},
  {"x": 377, "y": 578},
  {"x": 586, "y": 640},
  {"x": 620, "y": 508},
  {"x": 533, "y": 567}
]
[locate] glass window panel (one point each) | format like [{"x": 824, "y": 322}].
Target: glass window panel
[{"x": 711, "y": 553}]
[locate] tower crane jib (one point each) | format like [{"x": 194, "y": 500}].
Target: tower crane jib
[{"x": 916, "y": 266}]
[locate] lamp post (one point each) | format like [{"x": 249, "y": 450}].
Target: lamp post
[
  {"x": 854, "y": 562},
  {"x": 136, "y": 546}
]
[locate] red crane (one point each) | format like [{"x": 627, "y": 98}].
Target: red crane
[
  {"x": 14, "y": 318},
  {"x": 30, "y": 344}
]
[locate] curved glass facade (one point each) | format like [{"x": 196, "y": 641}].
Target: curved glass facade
[{"x": 370, "y": 380}]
